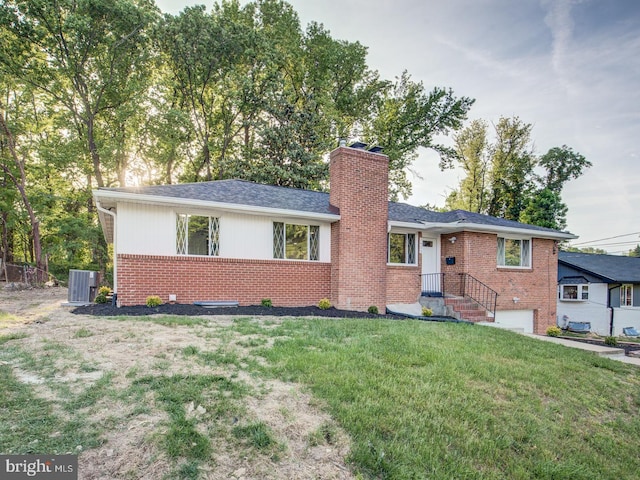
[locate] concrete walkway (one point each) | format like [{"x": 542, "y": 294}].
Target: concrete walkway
[
  {"x": 603, "y": 351},
  {"x": 415, "y": 309}
]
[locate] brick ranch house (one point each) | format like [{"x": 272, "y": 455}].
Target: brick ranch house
[{"x": 242, "y": 241}]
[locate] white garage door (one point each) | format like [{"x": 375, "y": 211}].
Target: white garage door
[{"x": 516, "y": 319}]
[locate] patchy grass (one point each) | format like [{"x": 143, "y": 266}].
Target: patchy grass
[
  {"x": 83, "y": 333},
  {"x": 427, "y": 400},
  {"x": 7, "y": 319},
  {"x": 29, "y": 424},
  {"x": 190, "y": 402},
  {"x": 418, "y": 399},
  {"x": 12, "y": 336}
]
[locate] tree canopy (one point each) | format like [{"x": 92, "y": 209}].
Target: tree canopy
[
  {"x": 107, "y": 93},
  {"x": 505, "y": 178}
]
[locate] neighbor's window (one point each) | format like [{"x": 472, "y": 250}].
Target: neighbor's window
[
  {"x": 626, "y": 296},
  {"x": 402, "y": 248},
  {"x": 574, "y": 292},
  {"x": 197, "y": 235},
  {"x": 296, "y": 242},
  {"x": 514, "y": 252}
]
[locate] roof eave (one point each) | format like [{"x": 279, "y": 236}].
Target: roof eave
[
  {"x": 482, "y": 228},
  {"x": 229, "y": 207}
]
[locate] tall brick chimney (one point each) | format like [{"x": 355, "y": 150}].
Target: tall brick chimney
[{"x": 359, "y": 188}]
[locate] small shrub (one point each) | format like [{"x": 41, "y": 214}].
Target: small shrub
[
  {"x": 554, "y": 331},
  {"x": 153, "y": 301},
  {"x": 611, "y": 341},
  {"x": 100, "y": 298},
  {"x": 426, "y": 312},
  {"x": 324, "y": 304},
  {"x": 373, "y": 309},
  {"x": 266, "y": 302},
  {"x": 104, "y": 290}
]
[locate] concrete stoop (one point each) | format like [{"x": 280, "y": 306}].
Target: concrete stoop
[
  {"x": 438, "y": 307},
  {"x": 456, "y": 307}
]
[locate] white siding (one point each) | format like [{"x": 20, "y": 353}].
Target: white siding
[
  {"x": 151, "y": 230},
  {"x": 625, "y": 317},
  {"x": 594, "y": 310},
  {"x": 146, "y": 229},
  {"x": 251, "y": 236},
  {"x": 515, "y": 319}
]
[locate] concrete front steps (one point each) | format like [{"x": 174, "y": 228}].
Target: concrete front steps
[{"x": 456, "y": 307}]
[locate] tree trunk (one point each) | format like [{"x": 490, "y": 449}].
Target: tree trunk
[
  {"x": 93, "y": 149},
  {"x": 20, "y": 185}
]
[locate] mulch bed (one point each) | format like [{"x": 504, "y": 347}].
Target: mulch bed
[{"x": 107, "y": 310}]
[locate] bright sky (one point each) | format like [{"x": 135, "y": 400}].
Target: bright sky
[{"x": 569, "y": 67}]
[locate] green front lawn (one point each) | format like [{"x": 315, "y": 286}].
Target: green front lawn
[{"x": 452, "y": 401}]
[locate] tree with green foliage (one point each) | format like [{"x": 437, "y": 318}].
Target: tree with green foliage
[
  {"x": 89, "y": 57},
  {"x": 13, "y": 163},
  {"x": 471, "y": 147},
  {"x": 237, "y": 91},
  {"x": 500, "y": 177},
  {"x": 405, "y": 118},
  {"x": 635, "y": 252},
  {"x": 512, "y": 163}
]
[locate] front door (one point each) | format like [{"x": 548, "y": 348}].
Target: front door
[{"x": 430, "y": 249}]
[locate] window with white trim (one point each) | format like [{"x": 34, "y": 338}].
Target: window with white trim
[
  {"x": 574, "y": 293},
  {"x": 197, "y": 235},
  {"x": 401, "y": 248},
  {"x": 626, "y": 295},
  {"x": 296, "y": 242},
  {"x": 514, "y": 252}
]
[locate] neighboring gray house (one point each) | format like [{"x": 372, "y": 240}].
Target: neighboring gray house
[{"x": 601, "y": 289}]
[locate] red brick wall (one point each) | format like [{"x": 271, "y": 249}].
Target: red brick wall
[
  {"x": 476, "y": 254},
  {"x": 403, "y": 284},
  {"x": 286, "y": 283},
  {"x": 359, "y": 189}
]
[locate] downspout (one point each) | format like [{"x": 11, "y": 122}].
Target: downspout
[
  {"x": 610, "y": 309},
  {"x": 115, "y": 250}
]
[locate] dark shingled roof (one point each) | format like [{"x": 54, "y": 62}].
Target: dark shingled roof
[
  {"x": 610, "y": 268},
  {"x": 242, "y": 192}
]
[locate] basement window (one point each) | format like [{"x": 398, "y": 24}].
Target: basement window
[
  {"x": 296, "y": 242},
  {"x": 401, "y": 248},
  {"x": 197, "y": 235}
]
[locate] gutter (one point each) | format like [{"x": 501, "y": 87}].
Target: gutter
[{"x": 115, "y": 250}]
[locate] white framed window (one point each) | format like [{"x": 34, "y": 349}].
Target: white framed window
[
  {"x": 574, "y": 293},
  {"x": 626, "y": 295},
  {"x": 197, "y": 235},
  {"x": 514, "y": 252},
  {"x": 296, "y": 242},
  {"x": 401, "y": 248}
]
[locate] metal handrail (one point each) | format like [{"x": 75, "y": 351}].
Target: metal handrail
[
  {"x": 480, "y": 293},
  {"x": 460, "y": 284},
  {"x": 433, "y": 285}
]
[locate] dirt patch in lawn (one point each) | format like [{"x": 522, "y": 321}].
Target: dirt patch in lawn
[{"x": 131, "y": 380}]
